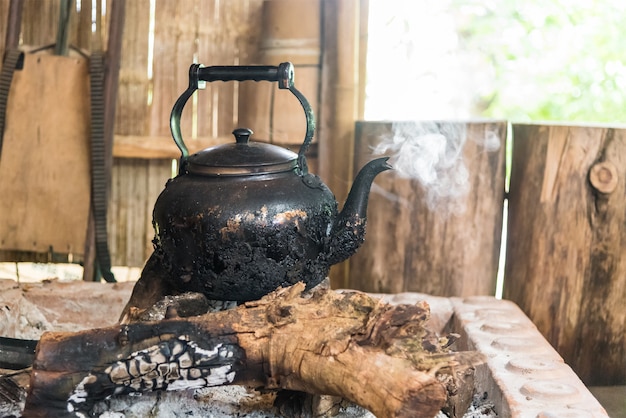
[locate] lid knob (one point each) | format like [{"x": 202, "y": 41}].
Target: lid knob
[{"x": 242, "y": 135}]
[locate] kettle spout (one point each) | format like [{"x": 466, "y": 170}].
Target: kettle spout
[{"x": 348, "y": 232}]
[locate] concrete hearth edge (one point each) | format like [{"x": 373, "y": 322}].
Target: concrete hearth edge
[{"x": 523, "y": 375}]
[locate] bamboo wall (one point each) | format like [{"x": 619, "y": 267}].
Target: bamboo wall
[
  {"x": 578, "y": 273},
  {"x": 153, "y": 74},
  {"x": 158, "y": 47}
]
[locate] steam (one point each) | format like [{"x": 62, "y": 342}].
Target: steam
[{"x": 432, "y": 153}]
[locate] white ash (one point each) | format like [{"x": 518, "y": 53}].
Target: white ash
[
  {"x": 229, "y": 401},
  {"x": 481, "y": 407}
]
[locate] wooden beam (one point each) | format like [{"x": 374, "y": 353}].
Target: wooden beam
[
  {"x": 163, "y": 147},
  {"x": 566, "y": 248},
  {"x": 148, "y": 147}
]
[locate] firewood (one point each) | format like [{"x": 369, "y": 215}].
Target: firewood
[{"x": 342, "y": 344}]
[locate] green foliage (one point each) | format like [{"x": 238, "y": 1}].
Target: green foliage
[{"x": 557, "y": 60}]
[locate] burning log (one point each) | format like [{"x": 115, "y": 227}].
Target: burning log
[{"x": 350, "y": 345}]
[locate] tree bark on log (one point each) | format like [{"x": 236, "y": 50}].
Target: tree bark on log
[{"x": 376, "y": 355}]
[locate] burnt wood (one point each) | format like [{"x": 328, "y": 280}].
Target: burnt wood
[{"x": 347, "y": 345}]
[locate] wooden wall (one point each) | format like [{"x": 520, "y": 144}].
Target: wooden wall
[
  {"x": 159, "y": 44},
  {"x": 566, "y": 239},
  {"x": 565, "y": 249},
  {"x": 444, "y": 242}
]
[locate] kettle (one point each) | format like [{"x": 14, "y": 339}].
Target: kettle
[{"x": 244, "y": 218}]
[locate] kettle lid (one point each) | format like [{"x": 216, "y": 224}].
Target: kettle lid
[{"x": 242, "y": 158}]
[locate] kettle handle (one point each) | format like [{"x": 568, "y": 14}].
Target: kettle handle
[{"x": 283, "y": 74}]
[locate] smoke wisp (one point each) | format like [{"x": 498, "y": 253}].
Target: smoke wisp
[{"x": 432, "y": 154}]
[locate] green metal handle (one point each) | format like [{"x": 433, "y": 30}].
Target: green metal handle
[{"x": 283, "y": 74}]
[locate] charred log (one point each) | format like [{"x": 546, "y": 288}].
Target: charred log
[{"x": 348, "y": 345}]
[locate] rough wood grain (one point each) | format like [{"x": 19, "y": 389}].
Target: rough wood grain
[
  {"x": 348, "y": 345},
  {"x": 44, "y": 172},
  {"x": 448, "y": 247},
  {"x": 566, "y": 251}
]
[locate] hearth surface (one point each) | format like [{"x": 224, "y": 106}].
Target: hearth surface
[{"x": 524, "y": 376}]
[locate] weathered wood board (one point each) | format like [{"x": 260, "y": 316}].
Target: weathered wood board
[
  {"x": 442, "y": 239},
  {"x": 45, "y": 163},
  {"x": 566, "y": 251}
]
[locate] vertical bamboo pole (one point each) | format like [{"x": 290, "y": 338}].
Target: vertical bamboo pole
[
  {"x": 339, "y": 98},
  {"x": 363, "y": 41}
]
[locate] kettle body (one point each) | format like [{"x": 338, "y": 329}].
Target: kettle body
[{"x": 242, "y": 219}]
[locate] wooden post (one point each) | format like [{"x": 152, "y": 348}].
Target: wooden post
[
  {"x": 566, "y": 252},
  {"x": 448, "y": 247},
  {"x": 339, "y": 103}
]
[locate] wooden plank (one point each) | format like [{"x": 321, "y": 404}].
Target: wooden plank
[
  {"x": 80, "y": 22},
  {"x": 337, "y": 116},
  {"x": 566, "y": 251},
  {"x": 45, "y": 164},
  {"x": 6, "y": 23},
  {"x": 286, "y": 37},
  {"x": 132, "y": 116},
  {"x": 11, "y": 13},
  {"x": 111, "y": 78},
  {"x": 159, "y": 171},
  {"x": 226, "y": 100},
  {"x": 115, "y": 219},
  {"x": 276, "y": 115},
  {"x": 220, "y": 43},
  {"x": 447, "y": 246},
  {"x": 134, "y": 222},
  {"x": 162, "y": 147},
  {"x": 363, "y": 42}
]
